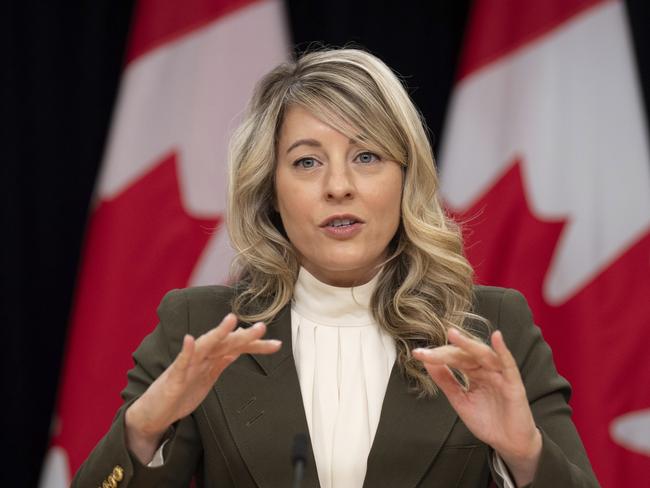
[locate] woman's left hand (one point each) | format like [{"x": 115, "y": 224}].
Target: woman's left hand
[{"x": 494, "y": 407}]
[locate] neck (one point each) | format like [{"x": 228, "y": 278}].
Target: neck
[
  {"x": 343, "y": 278},
  {"x": 332, "y": 305}
]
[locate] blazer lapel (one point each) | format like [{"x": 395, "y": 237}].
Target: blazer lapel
[
  {"x": 264, "y": 410},
  {"x": 410, "y": 434}
]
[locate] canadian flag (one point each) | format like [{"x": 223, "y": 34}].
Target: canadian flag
[
  {"x": 546, "y": 161},
  {"x": 160, "y": 198}
]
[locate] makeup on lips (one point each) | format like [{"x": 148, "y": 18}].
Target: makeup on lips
[{"x": 342, "y": 226}]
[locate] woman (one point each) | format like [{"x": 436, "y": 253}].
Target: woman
[{"x": 377, "y": 341}]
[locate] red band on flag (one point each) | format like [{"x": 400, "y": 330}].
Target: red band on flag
[
  {"x": 157, "y": 22},
  {"x": 131, "y": 238},
  {"x": 585, "y": 328},
  {"x": 498, "y": 27},
  {"x": 155, "y": 228}
]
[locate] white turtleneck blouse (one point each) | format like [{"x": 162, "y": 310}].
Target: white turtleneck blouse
[{"x": 344, "y": 360}]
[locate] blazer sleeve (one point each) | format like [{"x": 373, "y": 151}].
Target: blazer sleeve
[
  {"x": 563, "y": 460},
  {"x": 110, "y": 459}
]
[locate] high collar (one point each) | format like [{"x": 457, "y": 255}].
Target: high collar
[{"x": 333, "y": 305}]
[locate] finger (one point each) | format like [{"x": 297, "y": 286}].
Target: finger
[
  {"x": 483, "y": 353},
  {"x": 217, "y": 334},
  {"x": 236, "y": 342},
  {"x": 511, "y": 370},
  {"x": 260, "y": 346},
  {"x": 444, "y": 378},
  {"x": 447, "y": 355},
  {"x": 184, "y": 358},
  {"x": 210, "y": 342},
  {"x": 476, "y": 373}
]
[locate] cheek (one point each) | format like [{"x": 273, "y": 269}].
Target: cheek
[
  {"x": 393, "y": 215},
  {"x": 293, "y": 206},
  {"x": 388, "y": 202},
  {"x": 294, "y": 218}
]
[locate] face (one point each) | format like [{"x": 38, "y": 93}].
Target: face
[{"x": 339, "y": 202}]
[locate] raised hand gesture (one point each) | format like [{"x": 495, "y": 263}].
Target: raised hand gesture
[
  {"x": 494, "y": 407},
  {"x": 186, "y": 382}
]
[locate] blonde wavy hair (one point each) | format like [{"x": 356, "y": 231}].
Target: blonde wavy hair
[{"x": 425, "y": 284}]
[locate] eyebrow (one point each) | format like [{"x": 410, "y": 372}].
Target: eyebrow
[{"x": 312, "y": 143}]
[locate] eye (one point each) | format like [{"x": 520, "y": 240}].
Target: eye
[
  {"x": 306, "y": 163},
  {"x": 368, "y": 157}
]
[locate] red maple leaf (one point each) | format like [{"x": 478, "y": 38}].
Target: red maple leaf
[
  {"x": 600, "y": 336},
  {"x": 140, "y": 244}
]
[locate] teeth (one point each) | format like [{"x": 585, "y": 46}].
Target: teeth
[{"x": 340, "y": 222}]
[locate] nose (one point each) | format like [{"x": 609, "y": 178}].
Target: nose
[{"x": 338, "y": 182}]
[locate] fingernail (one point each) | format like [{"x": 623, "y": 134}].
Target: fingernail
[
  {"x": 275, "y": 342},
  {"x": 258, "y": 325}
]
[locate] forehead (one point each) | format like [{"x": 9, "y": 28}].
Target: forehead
[
  {"x": 297, "y": 118},
  {"x": 299, "y": 123}
]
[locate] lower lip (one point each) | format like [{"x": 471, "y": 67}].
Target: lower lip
[{"x": 343, "y": 231}]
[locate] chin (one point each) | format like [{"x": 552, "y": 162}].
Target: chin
[{"x": 348, "y": 263}]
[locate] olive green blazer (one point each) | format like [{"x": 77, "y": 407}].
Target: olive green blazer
[{"x": 241, "y": 435}]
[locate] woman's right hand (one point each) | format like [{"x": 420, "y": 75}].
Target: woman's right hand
[{"x": 180, "y": 389}]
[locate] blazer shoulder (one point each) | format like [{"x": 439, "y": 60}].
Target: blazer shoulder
[
  {"x": 194, "y": 296},
  {"x": 500, "y": 305},
  {"x": 199, "y": 308},
  {"x": 488, "y": 299}
]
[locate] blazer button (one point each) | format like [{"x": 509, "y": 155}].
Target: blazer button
[{"x": 118, "y": 473}]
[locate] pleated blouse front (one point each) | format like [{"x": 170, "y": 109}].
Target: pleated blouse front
[{"x": 344, "y": 360}]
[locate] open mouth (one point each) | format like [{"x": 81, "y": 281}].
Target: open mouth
[
  {"x": 341, "y": 222},
  {"x": 342, "y": 226}
]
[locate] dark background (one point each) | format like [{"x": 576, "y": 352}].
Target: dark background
[{"x": 60, "y": 74}]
